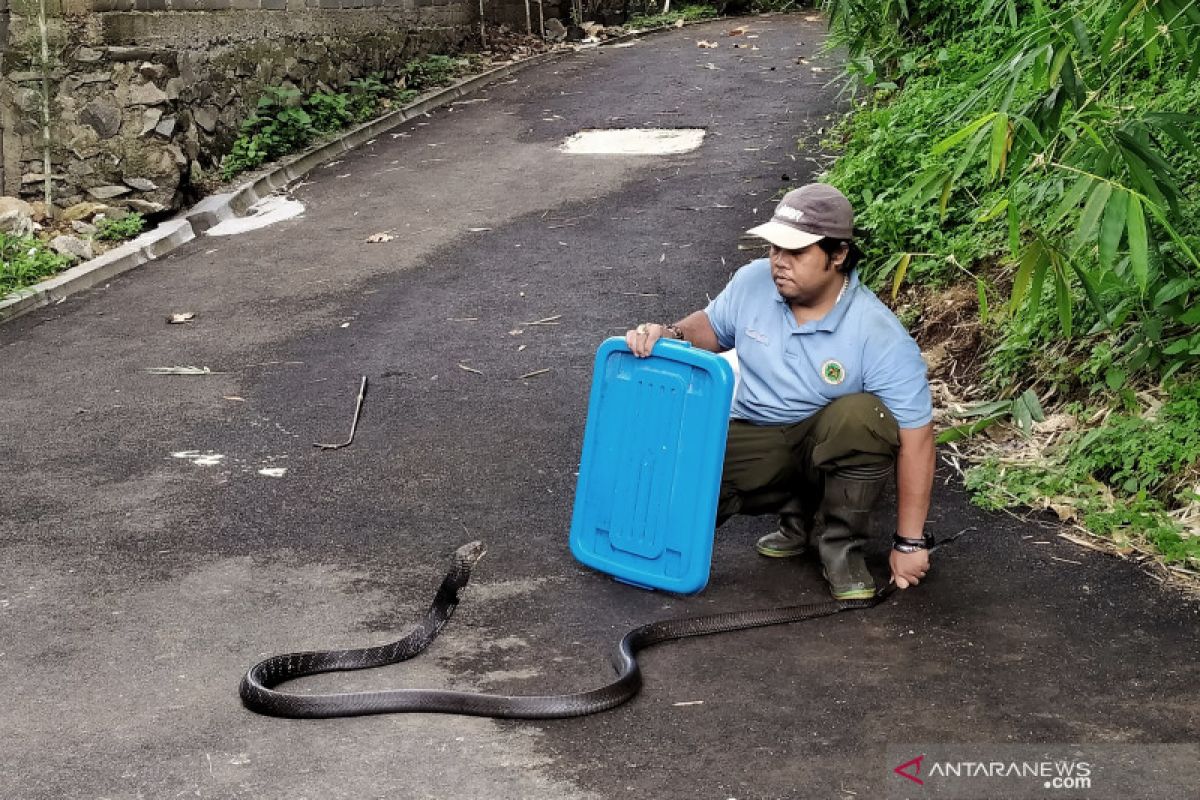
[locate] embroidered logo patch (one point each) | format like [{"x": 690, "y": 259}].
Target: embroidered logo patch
[
  {"x": 761, "y": 338},
  {"x": 832, "y": 372}
]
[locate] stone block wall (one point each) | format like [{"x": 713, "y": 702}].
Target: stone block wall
[{"x": 148, "y": 94}]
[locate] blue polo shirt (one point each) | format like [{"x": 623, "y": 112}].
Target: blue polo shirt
[{"x": 791, "y": 371}]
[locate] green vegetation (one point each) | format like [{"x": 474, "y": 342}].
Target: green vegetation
[
  {"x": 120, "y": 229},
  {"x": 285, "y": 121},
  {"x": 24, "y": 260},
  {"x": 689, "y": 13},
  {"x": 1040, "y": 150}
]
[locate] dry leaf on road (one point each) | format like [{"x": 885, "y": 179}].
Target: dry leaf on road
[{"x": 376, "y": 238}]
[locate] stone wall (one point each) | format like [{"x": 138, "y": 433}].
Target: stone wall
[{"x": 148, "y": 94}]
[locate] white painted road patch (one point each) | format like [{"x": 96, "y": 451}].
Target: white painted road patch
[
  {"x": 265, "y": 212},
  {"x": 634, "y": 141}
]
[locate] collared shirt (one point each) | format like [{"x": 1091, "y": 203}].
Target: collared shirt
[{"x": 791, "y": 371}]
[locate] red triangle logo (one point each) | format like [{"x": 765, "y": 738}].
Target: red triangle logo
[{"x": 915, "y": 765}]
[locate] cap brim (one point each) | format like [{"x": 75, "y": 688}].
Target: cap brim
[{"x": 784, "y": 236}]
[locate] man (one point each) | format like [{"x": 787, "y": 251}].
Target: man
[{"x": 832, "y": 396}]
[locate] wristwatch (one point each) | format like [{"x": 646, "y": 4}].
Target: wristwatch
[{"x": 902, "y": 544}]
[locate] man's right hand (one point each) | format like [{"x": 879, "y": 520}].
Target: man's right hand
[{"x": 642, "y": 338}]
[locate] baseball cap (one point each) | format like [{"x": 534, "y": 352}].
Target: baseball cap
[{"x": 806, "y": 215}]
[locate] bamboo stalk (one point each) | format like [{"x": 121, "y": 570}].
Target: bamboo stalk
[{"x": 47, "y": 167}]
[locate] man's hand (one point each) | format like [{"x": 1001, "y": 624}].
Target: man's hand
[
  {"x": 908, "y": 568},
  {"x": 642, "y": 338}
]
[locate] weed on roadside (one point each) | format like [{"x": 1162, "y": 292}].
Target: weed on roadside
[
  {"x": 120, "y": 229},
  {"x": 24, "y": 261}
]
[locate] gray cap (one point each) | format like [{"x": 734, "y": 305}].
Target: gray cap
[{"x": 806, "y": 215}]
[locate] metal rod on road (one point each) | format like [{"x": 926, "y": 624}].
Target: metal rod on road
[{"x": 362, "y": 392}]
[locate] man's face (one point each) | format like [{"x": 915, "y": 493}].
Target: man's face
[{"x": 804, "y": 277}]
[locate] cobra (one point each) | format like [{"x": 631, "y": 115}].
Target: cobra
[{"x": 259, "y": 688}]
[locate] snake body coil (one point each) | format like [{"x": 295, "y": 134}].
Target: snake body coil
[{"x": 259, "y": 693}]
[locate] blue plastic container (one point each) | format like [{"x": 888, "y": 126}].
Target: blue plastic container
[{"x": 646, "y": 500}]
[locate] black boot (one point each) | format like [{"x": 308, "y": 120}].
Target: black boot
[
  {"x": 850, "y": 494},
  {"x": 794, "y": 536}
]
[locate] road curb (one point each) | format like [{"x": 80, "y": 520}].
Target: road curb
[{"x": 214, "y": 209}]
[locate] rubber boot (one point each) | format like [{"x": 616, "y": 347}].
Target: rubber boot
[
  {"x": 850, "y": 494},
  {"x": 794, "y": 536}
]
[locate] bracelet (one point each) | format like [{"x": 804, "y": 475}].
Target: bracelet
[
  {"x": 675, "y": 331},
  {"x": 902, "y": 544}
]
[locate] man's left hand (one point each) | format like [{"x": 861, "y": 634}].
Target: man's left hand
[{"x": 908, "y": 568}]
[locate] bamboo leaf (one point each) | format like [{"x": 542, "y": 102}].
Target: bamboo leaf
[
  {"x": 1116, "y": 23},
  {"x": 981, "y": 293},
  {"x": 1079, "y": 30},
  {"x": 1089, "y": 288},
  {"x": 960, "y": 136},
  {"x": 924, "y": 186},
  {"x": 1056, "y": 66},
  {"x": 1024, "y": 273},
  {"x": 901, "y": 270},
  {"x": 1071, "y": 199},
  {"x": 1179, "y": 241},
  {"x": 944, "y": 200},
  {"x": 1091, "y": 213},
  {"x": 999, "y": 150},
  {"x": 1014, "y": 230},
  {"x": 890, "y": 265},
  {"x": 1062, "y": 294},
  {"x": 1143, "y": 179},
  {"x": 994, "y": 211},
  {"x": 1138, "y": 245},
  {"x": 1112, "y": 228}
]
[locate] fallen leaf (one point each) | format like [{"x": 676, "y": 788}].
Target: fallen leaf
[
  {"x": 522, "y": 347},
  {"x": 376, "y": 238},
  {"x": 711, "y": 65},
  {"x": 176, "y": 319},
  {"x": 469, "y": 369},
  {"x": 679, "y": 23},
  {"x": 535, "y": 372},
  {"x": 516, "y": 332},
  {"x": 234, "y": 398},
  {"x": 477, "y": 230},
  {"x": 738, "y": 31},
  {"x": 705, "y": 43}
]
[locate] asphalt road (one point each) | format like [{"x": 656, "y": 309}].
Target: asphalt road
[{"x": 137, "y": 585}]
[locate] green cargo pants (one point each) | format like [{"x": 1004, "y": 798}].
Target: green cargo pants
[{"x": 768, "y": 466}]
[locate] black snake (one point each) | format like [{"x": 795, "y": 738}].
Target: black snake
[{"x": 259, "y": 693}]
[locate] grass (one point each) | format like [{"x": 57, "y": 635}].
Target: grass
[{"x": 24, "y": 260}]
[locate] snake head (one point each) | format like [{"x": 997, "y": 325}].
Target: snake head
[{"x": 469, "y": 554}]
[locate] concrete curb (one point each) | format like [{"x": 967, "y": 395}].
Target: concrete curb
[{"x": 210, "y": 211}]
